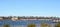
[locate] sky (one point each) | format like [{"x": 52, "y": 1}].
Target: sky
[{"x": 29, "y": 7}]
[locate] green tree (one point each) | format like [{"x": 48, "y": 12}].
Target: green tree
[
  {"x": 31, "y": 25},
  {"x": 58, "y": 24},
  {"x": 6, "y": 25}
]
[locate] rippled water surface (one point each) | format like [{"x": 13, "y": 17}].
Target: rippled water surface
[{"x": 24, "y": 22}]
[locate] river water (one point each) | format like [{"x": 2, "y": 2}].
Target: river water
[{"x": 24, "y": 23}]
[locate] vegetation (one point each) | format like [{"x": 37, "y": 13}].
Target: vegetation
[
  {"x": 6, "y": 25},
  {"x": 31, "y": 25},
  {"x": 45, "y": 25},
  {"x": 58, "y": 24}
]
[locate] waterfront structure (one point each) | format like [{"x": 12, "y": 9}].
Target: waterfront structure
[
  {"x": 14, "y": 18},
  {"x": 1, "y": 18},
  {"x": 54, "y": 19}
]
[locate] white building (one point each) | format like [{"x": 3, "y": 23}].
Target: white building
[{"x": 14, "y": 18}]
